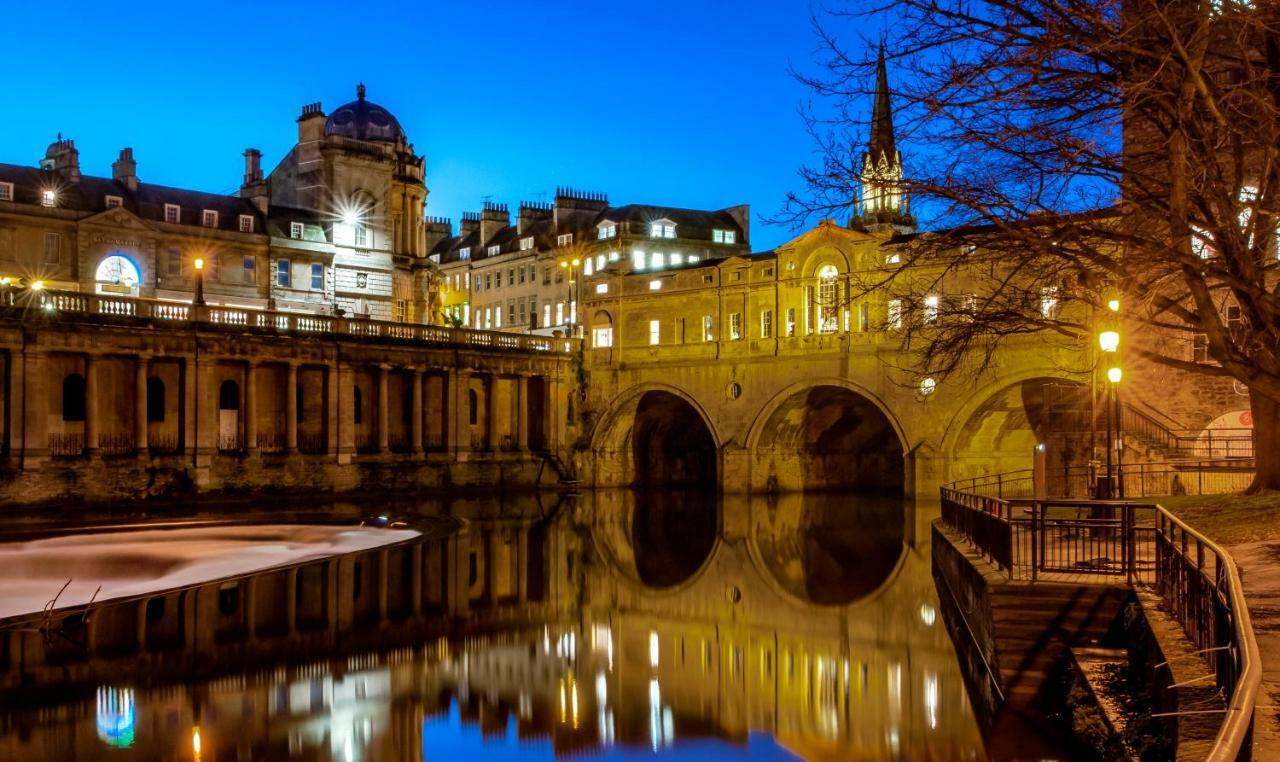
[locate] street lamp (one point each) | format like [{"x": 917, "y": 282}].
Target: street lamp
[
  {"x": 1109, "y": 341},
  {"x": 199, "y": 265},
  {"x": 1114, "y": 374},
  {"x": 570, "y": 316}
]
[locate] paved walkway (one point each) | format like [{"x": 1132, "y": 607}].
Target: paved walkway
[{"x": 1259, "y": 564}]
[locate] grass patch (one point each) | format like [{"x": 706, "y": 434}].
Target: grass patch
[{"x": 1228, "y": 519}]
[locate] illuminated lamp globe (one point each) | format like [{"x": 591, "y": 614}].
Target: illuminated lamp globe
[
  {"x": 1114, "y": 375},
  {"x": 1109, "y": 341}
]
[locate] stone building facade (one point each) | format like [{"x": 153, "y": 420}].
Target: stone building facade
[{"x": 336, "y": 228}]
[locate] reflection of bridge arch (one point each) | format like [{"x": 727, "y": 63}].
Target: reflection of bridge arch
[
  {"x": 827, "y": 433},
  {"x": 997, "y": 429},
  {"x": 656, "y": 435},
  {"x": 613, "y": 533}
]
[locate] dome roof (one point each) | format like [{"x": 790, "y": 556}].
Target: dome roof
[{"x": 363, "y": 120}]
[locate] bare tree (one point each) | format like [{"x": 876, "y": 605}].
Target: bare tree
[{"x": 1073, "y": 152}]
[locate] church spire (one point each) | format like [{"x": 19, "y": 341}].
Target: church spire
[
  {"x": 883, "y": 203},
  {"x": 882, "y": 146}
]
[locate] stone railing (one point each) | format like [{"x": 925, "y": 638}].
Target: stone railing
[{"x": 47, "y": 302}]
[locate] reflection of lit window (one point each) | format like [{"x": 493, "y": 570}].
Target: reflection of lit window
[{"x": 116, "y": 715}]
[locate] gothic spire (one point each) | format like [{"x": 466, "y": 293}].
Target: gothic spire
[{"x": 882, "y": 142}]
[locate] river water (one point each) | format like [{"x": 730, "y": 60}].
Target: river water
[{"x": 614, "y": 625}]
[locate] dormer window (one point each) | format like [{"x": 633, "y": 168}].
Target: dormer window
[
  {"x": 724, "y": 236},
  {"x": 296, "y": 230},
  {"x": 113, "y": 202},
  {"x": 607, "y": 230},
  {"x": 172, "y": 213},
  {"x": 49, "y": 198},
  {"x": 662, "y": 229},
  {"x": 246, "y": 223},
  {"x": 464, "y": 253},
  {"x": 494, "y": 251},
  {"x": 526, "y": 244},
  {"x": 209, "y": 218},
  {"x": 6, "y": 191}
]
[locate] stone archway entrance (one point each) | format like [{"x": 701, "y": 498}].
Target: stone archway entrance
[{"x": 117, "y": 275}]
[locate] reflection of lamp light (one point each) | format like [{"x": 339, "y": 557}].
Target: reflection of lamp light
[
  {"x": 195, "y": 743},
  {"x": 1114, "y": 375},
  {"x": 1109, "y": 341}
]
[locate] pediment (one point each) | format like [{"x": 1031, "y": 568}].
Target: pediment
[{"x": 118, "y": 218}]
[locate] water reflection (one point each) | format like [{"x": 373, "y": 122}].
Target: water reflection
[{"x": 612, "y": 626}]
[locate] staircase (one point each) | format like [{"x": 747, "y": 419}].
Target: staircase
[
  {"x": 564, "y": 472},
  {"x": 1035, "y": 623}
]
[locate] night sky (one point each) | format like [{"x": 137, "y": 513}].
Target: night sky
[{"x": 682, "y": 103}]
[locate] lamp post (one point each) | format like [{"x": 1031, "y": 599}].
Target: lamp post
[
  {"x": 570, "y": 315},
  {"x": 199, "y": 265},
  {"x": 1109, "y": 343},
  {"x": 1114, "y": 374}
]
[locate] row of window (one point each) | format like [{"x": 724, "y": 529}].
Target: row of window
[{"x": 520, "y": 312}]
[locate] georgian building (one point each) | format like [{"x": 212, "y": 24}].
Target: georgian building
[
  {"x": 529, "y": 276},
  {"x": 336, "y": 227}
]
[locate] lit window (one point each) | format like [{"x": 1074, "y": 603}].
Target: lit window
[
  {"x": 295, "y": 230},
  {"x": 766, "y": 324},
  {"x": 1200, "y": 243},
  {"x": 283, "y": 273},
  {"x": 361, "y": 236},
  {"x": 526, "y": 243},
  {"x": 209, "y": 219},
  {"x": 735, "y": 326},
  {"x": 708, "y": 324},
  {"x": 564, "y": 239},
  {"x": 657, "y": 261},
  {"x": 6, "y": 191},
  {"x": 488, "y": 318},
  {"x": 588, "y": 267},
  {"x": 828, "y": 299},
  {"x": 111, "y": 202},
  {"x": 493, "y": 251},
  {"x": 892, "y": 258},
  {"x": 48, "y": 198},
  {"x": 602, "y": 337},
  {"x": 895, "y": 314},
  {"x": 600, "y": 261},
  {"x": 791, "y": 321},
  {"x": 497, "y": 316},
  {"x": 655, "y": 332},
  {"x": 172, "y": 213},
  {"x": 602, "y": 288},
  {"x": 724, "y": 236},
  {"x": 607, "y": 230},
  {"x": 614, "y": 256},
  {"x": 546, "y": 313},
  {"x": 655, "y": 285},
  {"x": 246, "y": 223},
  {"x": 637, "y": 259},
  {"x": 317, "y": 277},
  {"x": 864, "y": 316},
  {"x": 559, "y": 313},
  {"x": 464, "y": 253},
  {"x": 1048, "y": 301},
  {"x": 662, "y": 230},
  {"x": 930, "y": 309}
]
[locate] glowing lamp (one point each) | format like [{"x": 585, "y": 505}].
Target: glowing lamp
[
  {"x": 5, "y": 281},
  {"x": 1114, "y": 375},
  {"x": 1114, "y": 305},
  {"x": 1109, "y": 341},
  {"x": 576, "y": 262},
  {"x": 37, "y": 285},
  {"x": 564, "y": 265},
  {"x": 350, "y": 217},
  {"x": 199, "y": 263}
]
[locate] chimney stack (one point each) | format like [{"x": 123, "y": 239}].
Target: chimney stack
[
  {"x": 493, "y": 218},
  {"x": 63, "y": 158},
  {"x": 125, "y": 170},
  {"x": 252, "y": 166},
  {"x": 254, "y": 188}
]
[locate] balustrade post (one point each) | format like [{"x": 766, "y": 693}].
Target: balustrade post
[
  {"x": 291, "y": 408},
  {"x": 415, "y": 425},
  {"x": 383, "y": 388},
  {"x": 251, "y": 407},
  {"x": 140, "y": 406}
]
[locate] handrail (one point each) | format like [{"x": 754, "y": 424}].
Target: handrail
[
  {"x": 992, "y": 533},
  {"x": 48, "y": 302}
]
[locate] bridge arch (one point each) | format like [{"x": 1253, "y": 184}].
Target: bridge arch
[
  {"x": 827, "y": 434},
  {"x": 656, "y": 435},
  {"x": 997, "y": 428}
]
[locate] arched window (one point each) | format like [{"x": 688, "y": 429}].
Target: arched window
[
  {"x": 359, "y": 406},
  {"x": 473, "y": 407},
  {"x": 155, "y": 400},
  {"x": 229, "y": 396},
  {"x": 73, "y": 397},
  {"x": 828, "y": 299},
  {"x": 602, "y": 330}
]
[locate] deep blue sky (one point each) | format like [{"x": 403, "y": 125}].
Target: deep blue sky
[{"x": 685, "y": 103}]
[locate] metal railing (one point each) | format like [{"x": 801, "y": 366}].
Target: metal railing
[
  {"x": 1196, "y": 579},
  {"x": 48, "y": 302},
  {"x": 1133, "y": 480}
]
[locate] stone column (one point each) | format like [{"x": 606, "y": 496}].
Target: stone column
[
  {"x": 415, "y": 433},
  {"x": 251, "y": 407},
  {"x": 383, "y": 386},
  {"x": 291, "y": 409},
  {"x": 522, "y": 412},
  {"x": 458, "y": 429},
  {"x": 331, "y": 407},
  {"x": 344, "y": 413},
  {"x": 491, "y": 409},
  {"x": 140, "y": 406},
  {"x": 91, "y": 420}
]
